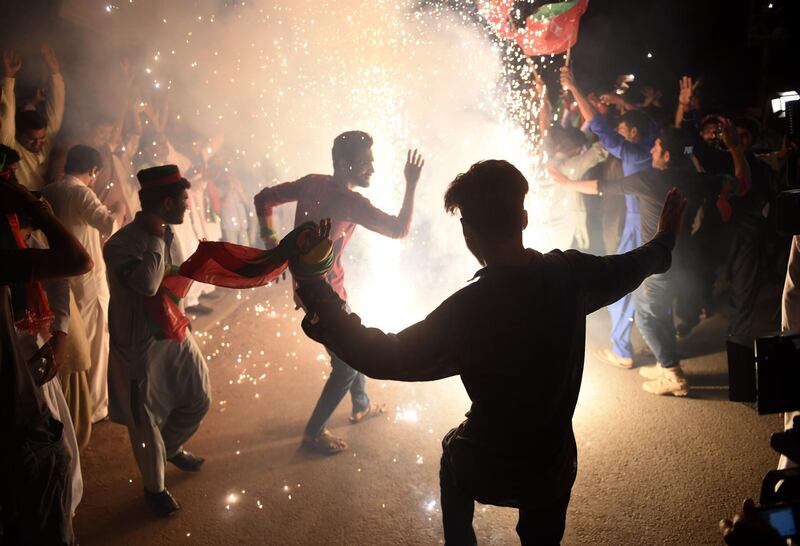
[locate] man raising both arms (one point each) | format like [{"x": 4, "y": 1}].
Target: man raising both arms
[{"x": 324, "y": 196}]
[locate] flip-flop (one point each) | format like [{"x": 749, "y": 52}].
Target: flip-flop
[
  {"x": 325, "y": 443},
  {"x": 373, "y": 410},
  {"x": 609, "y": 357}
]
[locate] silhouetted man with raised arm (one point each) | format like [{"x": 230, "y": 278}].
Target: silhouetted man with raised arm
[{"x": 516, "y": 337}]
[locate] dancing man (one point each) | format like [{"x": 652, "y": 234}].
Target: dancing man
[
  {"x": 516, "y": 447},
  {"x": 157, "y": 378},
  {"x": 323, "y": 196}
]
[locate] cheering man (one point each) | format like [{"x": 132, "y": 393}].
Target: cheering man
[{"x": 322, "y": 196}]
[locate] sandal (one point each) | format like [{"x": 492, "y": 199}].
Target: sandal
[
  {"x": 609, "y": 357},
  {"x": 373, "y": 410},
  {"x": 325, "y": 443}
]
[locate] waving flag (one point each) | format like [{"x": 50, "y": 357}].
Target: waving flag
[{"x": 551, "y": 29}]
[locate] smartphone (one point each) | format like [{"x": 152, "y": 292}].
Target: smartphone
[{"x": 781, "y": 518}]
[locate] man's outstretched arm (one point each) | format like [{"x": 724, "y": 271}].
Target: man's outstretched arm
[
  {"x": 421, "y": 352},
  {"x": 606, "y": 279},
  {"x": 364, "y": 213}
]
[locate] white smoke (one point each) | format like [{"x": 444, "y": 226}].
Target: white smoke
[{"x": 282, "y": 79}]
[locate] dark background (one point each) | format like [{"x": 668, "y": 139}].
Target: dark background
[{"x": 745, "y": 50}]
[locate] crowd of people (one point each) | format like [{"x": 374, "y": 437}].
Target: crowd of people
[{"x": 97, "y": 218}]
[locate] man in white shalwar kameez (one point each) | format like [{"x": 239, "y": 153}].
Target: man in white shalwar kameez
[
  {"x": 159, "y": 387},
  {"x": 79, "y": 208}
]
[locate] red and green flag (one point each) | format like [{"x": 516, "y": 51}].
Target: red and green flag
[{"x": 551, "y": 29}]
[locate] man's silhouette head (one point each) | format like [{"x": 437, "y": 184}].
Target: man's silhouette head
[
  {"x": 352, "y": 158},
  {"x": 491, "y": 199}
]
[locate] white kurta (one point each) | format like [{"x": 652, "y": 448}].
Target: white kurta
[
  {"x": 159, "y": 389},
  {"x": 32, "y": 167},
  {"x": 123, "y": 172},
  {"x": 52, "y": 391},
  {"x": 79, "y": 209}
]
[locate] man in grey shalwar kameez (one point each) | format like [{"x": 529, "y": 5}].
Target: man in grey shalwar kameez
[{"x": 158, "y": 387}]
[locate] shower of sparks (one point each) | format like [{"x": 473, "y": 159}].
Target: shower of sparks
[{"x": 280, "y": 80}]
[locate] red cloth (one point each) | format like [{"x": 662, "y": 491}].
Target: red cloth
[
  {"x": 163, "y": 311},
  {"x": 551, "y": 29},
  {"x": 31, "y": 309},
  {"x": 318, "y": 197},
  {"x": 231, "y": 265}
]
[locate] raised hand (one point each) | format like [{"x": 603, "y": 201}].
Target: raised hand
[
  {"x": 672, "y": 213},
  {"x": 12, "y": 62},
  {"x": 413, "y": 168},
  {"x": 687, "y": 87},
  {"x": 309, "y": 240},
  {"x": 50, "y": 59},
  {"x": 567, "y": 79},
  {"x": 729, "y": 134}
]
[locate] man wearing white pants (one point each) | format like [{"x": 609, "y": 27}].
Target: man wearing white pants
[{"x": 79, "y": 208}]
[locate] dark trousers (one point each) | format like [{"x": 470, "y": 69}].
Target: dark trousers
[
  {"x": 36, "y": 507},
  {"x": 343, "y": 378},
  {"x": 654, "y": 318},
  {"x": 744, "y": 272},
  {"x": 542, "y": 525}
]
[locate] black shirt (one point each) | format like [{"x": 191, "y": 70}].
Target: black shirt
[
  {"x": 652, "y": 186},
  {"x": 516, "y": 337}
]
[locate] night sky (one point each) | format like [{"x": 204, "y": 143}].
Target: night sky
[{"x": 693, "y": 37}]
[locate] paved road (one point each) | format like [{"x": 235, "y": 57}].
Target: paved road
[{"x": 651, "y": 470}]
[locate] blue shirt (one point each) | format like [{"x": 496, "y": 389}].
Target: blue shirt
[{"x": 635, "y": 156}]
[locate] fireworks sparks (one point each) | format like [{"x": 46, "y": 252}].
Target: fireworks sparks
[{"x": 430, "y": 78}]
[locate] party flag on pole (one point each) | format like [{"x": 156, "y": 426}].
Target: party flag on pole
[{"x": 551, "y": 29}]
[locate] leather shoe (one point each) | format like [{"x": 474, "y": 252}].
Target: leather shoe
[
  {"x": 186, "y": 461},
  {"x": 162, "y": 504}
]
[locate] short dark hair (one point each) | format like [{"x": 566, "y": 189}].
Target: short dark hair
[
  {"x": 8, "y": 156},
  {"x": 680, "y": 145},
  {"x": 82, "y": 159},
  {"x": 638, "y": 120},
  {"x": 347, "y": 145},
  {"x": 30, "y": 120},
  {"x": 152, "y": 198},
  {"x": 490, "y": 197}
]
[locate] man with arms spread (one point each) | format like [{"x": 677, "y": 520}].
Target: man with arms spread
[
  {"x": 158, "y": 386},
  {"x": 517, "y": 447},
  {"x": 322, "y": 196}
]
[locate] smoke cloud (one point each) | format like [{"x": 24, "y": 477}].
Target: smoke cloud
[{"x": 281, "y": 79}]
